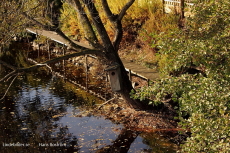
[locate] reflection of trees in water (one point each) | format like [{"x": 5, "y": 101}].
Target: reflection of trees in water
[
  {"x": 122, "y": 143},
  {"x": 29, "y": 123},
  {"x": 35, "y": 121},
  {"x": 158, "y": 143}
]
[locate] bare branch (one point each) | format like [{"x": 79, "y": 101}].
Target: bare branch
[
  {"x": 66, "y": 40},
  {"x": 107, "y": 102},
  {"x": 89, "y": 51},
  {"x": 8, "y": 76},
  {"x": 124, "y": 9},
  {"x": 94, "y": 45},
  {"x": 70, "y": 44},
  {"x": 17, "y": 70},
  {"x": 9, "y": 87}
]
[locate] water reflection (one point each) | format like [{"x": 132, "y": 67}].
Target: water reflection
[
  {"x": 39, "y": 117},
  {"x": 42, "y": 113}
]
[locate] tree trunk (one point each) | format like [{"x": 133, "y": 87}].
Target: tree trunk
[
  {"x": 111, "y": 49},
  {"x": 126, "y": 83},
  {"x": 107, "y": 50},
  {"x": 85, "y": 23}
]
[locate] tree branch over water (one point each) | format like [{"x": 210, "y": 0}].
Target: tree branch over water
[
  {"x": 27, "y": 69},
  {"x": 9, "y": 87},
  {"x": 97, "y": 35}
]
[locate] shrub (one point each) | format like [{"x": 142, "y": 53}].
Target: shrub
[
  {"x": 205, "y": 100},
  {"x": 204, "y": 44}
]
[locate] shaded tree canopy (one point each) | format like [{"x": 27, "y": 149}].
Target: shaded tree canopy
[{"x": 44, "y": 14}]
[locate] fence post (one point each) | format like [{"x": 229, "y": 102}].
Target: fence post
[
  {"x": 86, "y": 73},
  {"x": 130, "y": 77},
  {"x": 63, "y": 62},
  {"x": 48, "y": 48}
]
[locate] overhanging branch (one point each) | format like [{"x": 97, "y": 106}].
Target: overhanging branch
[
  {"x": 27, "y": 69},
  {"x": 9, "y": 87},
  {"x": 8, "y": 76},
  {"x": 70, "y": 43},
  {"x": 95, "y": 52}
]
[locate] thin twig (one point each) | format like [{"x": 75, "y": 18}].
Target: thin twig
[
  {"x": 106, "y": 102},
  {"x": 8, "y": 76},
  {"x": 9, "y": 87}
]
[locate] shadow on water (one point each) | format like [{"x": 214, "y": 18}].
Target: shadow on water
[{"x": 41, "y": 114}]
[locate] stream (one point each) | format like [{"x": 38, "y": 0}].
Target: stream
[{"x": 42, "y": 112}]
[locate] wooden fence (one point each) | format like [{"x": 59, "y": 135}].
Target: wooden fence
[
  {"x": 187, "y": 3},
  {"x": 171, "y": 6},
  {"x": 178, "y": 6}
]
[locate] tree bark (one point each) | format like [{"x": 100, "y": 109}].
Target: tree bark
[
  {"x": 111, "y": 49},
  {"x": 85, "y": 23},
  {"x": 108, "y": 48}
]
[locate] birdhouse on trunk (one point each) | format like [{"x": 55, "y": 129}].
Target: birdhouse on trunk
[{"x": 114, "y": 74}]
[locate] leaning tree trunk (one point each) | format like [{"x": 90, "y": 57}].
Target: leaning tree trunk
[
  {"x": 126, "y": 89},
  {"x": 104, "y": 47},
  {"x": 111, "y": 48}
]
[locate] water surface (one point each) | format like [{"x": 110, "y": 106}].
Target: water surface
[{"x": 44, "y": 113}]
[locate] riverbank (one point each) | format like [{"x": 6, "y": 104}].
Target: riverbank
[{"x": 160, "y": 119}]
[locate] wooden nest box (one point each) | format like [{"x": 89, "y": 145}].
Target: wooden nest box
[{"x": 114, "y": 74}]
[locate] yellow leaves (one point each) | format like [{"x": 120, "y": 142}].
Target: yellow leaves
[
  {"x": 69, "y": 20},
  {"x": 59, "y": 115},
  {"x": 12, "y": 113}
]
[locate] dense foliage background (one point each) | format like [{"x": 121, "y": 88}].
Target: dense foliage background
[{"x": 195, "y": 64}]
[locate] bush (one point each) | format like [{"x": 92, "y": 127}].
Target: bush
[
  {"x": 206, "y": 101},
  {"x": 203, "y": 44}
]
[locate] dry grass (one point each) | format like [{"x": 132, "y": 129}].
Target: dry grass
[
  {"x": 146, "y": 29},
  {"x": 142, "y": 24}
]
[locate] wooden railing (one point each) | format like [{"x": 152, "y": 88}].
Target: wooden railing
[
  {"x": 182, "y": 7},
  {"x": 178, "y": 2}
]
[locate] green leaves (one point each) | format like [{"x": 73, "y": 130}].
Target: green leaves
[
  {"x": 205, "y": 44},
  {"x": 205, "y": 100}
]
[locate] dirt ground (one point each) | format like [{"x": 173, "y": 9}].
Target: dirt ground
[{"x": 155, "y": 119}]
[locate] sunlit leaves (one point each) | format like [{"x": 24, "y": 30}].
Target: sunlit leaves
[
  {"x": 204, "y": 42},
  {"x": 69, "y": 21},
  {"x": 206, "y": 101},
  {"x": 11, "y": 22}
]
